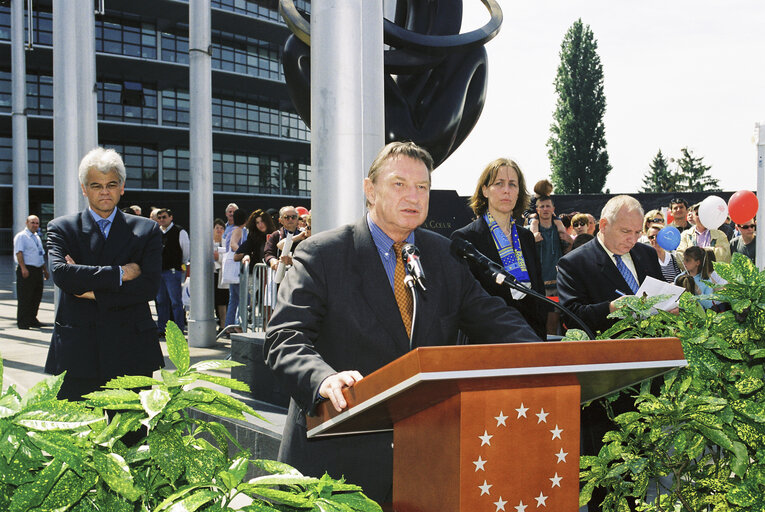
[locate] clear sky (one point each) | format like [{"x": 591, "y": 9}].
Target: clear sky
[{"x": 676, "y": 73}]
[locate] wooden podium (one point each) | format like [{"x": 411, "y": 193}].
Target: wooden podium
[{"x": 491, "y": 427}]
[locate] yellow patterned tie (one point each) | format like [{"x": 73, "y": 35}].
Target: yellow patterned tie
[{"x": 403, "y": 296}]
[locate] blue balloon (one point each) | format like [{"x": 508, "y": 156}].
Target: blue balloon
[{"x": 668, "y": 238}]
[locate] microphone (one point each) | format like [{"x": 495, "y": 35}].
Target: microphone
[
  {"x": 466, "y": 250},
  {"x": 411, "y": 256}
]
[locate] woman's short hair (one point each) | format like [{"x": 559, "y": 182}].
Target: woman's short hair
[
  {"x": 102, "y": 160},
  {"x": 647, "y": 218},
  {"x": 478, "y": 202},
  {"x": 219, "y": 222},
  {"x": 581, "y": 217}
]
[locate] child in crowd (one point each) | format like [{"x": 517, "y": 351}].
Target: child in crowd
[{"x": 699, "y": 271}]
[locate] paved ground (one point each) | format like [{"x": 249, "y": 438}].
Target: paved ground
[{"x": 24, "y": 351}]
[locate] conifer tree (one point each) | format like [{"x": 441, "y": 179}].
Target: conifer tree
[
  {"x": 660, "y": 178},
  {"x": 693, "y": 174},
  {"x": 577, "y": 144}
]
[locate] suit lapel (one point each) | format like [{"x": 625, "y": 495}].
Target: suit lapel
[
  {"x": 93, "y": 240},
  {"x": 427, "y": 301},
  {"x": 375, "y": 286},
  {"x": 608, "y": 269}
]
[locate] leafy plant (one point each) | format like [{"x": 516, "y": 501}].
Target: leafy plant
[
  {"x": 57, "y": 455},
  {"x": 700, "y": 442}
]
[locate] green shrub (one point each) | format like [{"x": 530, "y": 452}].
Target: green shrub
[
  {"x": 57, "y": 455},
  {"x": 706, "y": 427}
]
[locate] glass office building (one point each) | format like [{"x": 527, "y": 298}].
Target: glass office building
[{"x": 261, "y": 147}]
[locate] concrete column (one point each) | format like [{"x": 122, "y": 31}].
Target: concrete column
[
  {"x": 19, "y": 115},
  {"x": 201, "y": 317},
  {"x": 347, "y": 106},
  {"x": 75, "y": 130}
]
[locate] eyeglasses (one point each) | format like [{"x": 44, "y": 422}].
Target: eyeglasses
[
  {"x": 747, "y": 226},
  {"x": 289, "y": 217},
  {"x": 579, "y": 224},
  {"x": 651, "y": 237},
  {"x": 656, "y": 219}
]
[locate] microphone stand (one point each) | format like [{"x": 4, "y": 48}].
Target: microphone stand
[
  {"x": 409, "y": 283},
  {"x": 504, "y": 278}
]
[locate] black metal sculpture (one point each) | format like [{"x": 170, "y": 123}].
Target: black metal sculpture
[{"x": 435, "y": 77}]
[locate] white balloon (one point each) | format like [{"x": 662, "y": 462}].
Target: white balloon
[{"x": 712, "y": 212}]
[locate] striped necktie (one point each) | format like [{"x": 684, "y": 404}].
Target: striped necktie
[
  {"x": 403, "y": 296},
  {"x": 103, "y": 224},
  {"x": 626, "y": 274}
]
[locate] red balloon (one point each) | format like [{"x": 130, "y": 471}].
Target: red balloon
[
  {"x": 302, "y": 210},
  {"x": 670, "y": 218},
  {"x": 742, "y": 206}
]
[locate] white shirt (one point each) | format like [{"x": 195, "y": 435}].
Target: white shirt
[
  {"x": 30, "y": 246},
  {"x": 183, "y": 239},
  {"x": 626, "y": 258}
]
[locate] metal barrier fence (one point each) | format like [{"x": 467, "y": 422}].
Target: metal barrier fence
[{"x": 257, "y": 297}]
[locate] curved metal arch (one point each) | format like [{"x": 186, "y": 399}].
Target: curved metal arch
[{"x": 395, "y": 35}]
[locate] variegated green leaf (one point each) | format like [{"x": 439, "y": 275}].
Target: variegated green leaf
[
  {"x": 231, "y": 402},
  {"x": 166, "y": 449},
  {"x": 61, "y": 447},
  {"x": 153, "y": 401},
  {"x": 115, "y": 472},
  {"x": 214, "y": 364},
  {"x": 192, "y": 502},
  {"x": 234, "y": 384},
  {"x": 177, "y": 347},
  {"x": 123, "y": 398},
  {"x": 274, "y": 466},
  {"x": 133, "y": 381},
  {"x": 31, "y": 494},
  {"x": 357, "y": 501},
  {"x": 173, "y": 379},
  {"x": 48, "y": 420},
  {"x": 9, "y": 405},
  {"x": 277, "y": 496},
  {"x": 219, "y": 409},
  {"x": 270, "y": 480},
  {"x": 69, "y": 488},
  {"x": 45, "y": 390}
]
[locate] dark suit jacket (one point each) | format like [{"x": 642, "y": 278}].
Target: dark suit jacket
[
  {"x": 532, "y": 309},
  {"x": 588, "y": 280},
  {"x": 336, "y": 311},
  {"x": 113, "y": 335}
]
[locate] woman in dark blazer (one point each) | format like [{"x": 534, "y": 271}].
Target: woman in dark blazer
[{"x": 498, "y": 202}]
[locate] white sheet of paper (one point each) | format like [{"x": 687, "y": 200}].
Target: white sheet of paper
[{"x": 652, "y": 287}]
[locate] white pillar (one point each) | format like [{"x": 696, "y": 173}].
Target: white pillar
[
  {"x": 347, "y": 106},
  {"x": 75, "y": 129},
  {"x": 759, "y": 139},
  {"x": 201, "y": 316},
  {"x": 19, "y": 115}
]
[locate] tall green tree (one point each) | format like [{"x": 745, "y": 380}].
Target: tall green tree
[
  {"x": 660, "y": 178},
  {"x": 693, "y": 173},
  {"x": 577, "y": 144}
]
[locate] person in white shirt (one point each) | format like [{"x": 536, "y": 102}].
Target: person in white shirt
[
  {"x": 175, "y": 255},
  {"x": 30, "y": 271}
]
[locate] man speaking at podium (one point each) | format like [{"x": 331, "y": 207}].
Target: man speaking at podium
[{"x": 343, "y": 312}]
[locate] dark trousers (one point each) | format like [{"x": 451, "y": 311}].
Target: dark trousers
[{"x": 29, "y": 291}]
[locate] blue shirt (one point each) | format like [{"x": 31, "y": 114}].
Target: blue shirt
[
  {"x": 97, "y": 217},
  {"x": 384, "y": 245},
  {"x": 30, "y": 246}
]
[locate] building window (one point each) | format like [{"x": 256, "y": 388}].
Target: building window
[
  {"x": 259, "y": 174},
  {"x": 40, "y": 157},
  {"x": 267, "y": 9},
  {"x": 175, "y": 107},
  {"x": 40, "y": 95},
  {"x": 6, "y": 91},
  {"x": 141, "y": 165},
  {"x": 6, "y": 160},
  {"x": 123, "y": 37},
  {"x": 175, "y": 169},
  {"x": 175, "y": 47},
  {"x": 43, "y": 27},
  {"x": 111, "y": 106},
  {"x": 241, "y": 54},
  {"x": 5, "y": 22}
]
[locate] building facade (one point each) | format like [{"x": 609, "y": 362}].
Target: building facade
[{"x": 261, "y": 147}]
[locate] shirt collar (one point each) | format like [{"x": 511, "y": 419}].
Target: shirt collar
[
  {"x": 97, "y": 217},
  {"x": 168, "y": 227},
  {"x": 382, "y": 241}
]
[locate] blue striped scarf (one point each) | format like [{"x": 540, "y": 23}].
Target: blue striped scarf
[{"x": 510, "y": 253}]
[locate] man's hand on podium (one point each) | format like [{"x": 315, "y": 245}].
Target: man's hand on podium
[{"x": 332, "y": 387}]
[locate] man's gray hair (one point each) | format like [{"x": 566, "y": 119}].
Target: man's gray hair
[
  {"x": 102, "y": 160},
  {"x": 284, "y": 209},
  {"x": 615, "y": 205},
  {"x": 232, "y": 204}
]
